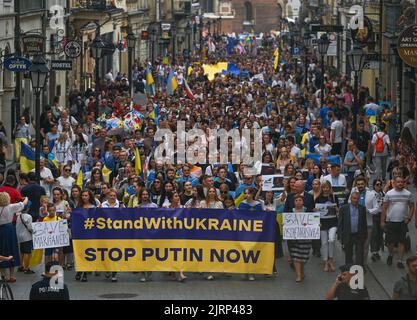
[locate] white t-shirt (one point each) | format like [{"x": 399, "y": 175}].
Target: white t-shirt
[
  {"x": 296, "y": 152},
  {"x": 386, "y": 141},
  {"x": 66, "y": 183},
  {"x": 340, "y": 181},
  {"x": 398, "y": 204},
  {"x": 337, "y": 126},
  {"x": 46, "y": 174},
  {"x": 322, "y": 150}
]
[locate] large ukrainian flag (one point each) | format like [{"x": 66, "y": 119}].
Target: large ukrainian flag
[
  {"x": 172, "y": 83},
  {"x": 27, "y": 158},
  {"x": 150, "y": 83}
]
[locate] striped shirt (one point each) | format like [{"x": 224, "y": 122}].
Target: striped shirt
[{"x": 398, "y": 204}]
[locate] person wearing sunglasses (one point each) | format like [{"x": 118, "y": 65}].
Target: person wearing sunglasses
[
  {"x": 377, "y": 235},
  {"x": 65, "y": 181}
]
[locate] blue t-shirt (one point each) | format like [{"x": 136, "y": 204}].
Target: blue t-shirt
[{"x": 246, "y": 206}]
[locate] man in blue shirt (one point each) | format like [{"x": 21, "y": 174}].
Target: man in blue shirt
[
  {"x": 353, "y": 230},
  {"x": 354, "y": 160},
  {"x": 247, "y": 183}
]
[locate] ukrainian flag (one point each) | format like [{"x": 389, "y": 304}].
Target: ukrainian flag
[
  {"x": 27, "y": 158},
  {"x": 80, "y": 178},
  {"x": 276, "y": 60},
  {"x": 154, "y": 114},
  {"x": 172, "y": 83},
  {"x": 150, "y": 83},
  {"x": 106, "y": 173},
  {"x": 138, "y": 164}
]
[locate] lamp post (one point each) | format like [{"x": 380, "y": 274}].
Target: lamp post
[
  {"x": 323, "y": 45},
  {"x": 201, "y": 25},
  {"x": 97, "y": 48},
  {"x": 38, "y": 76},
  {"x": 356, "y": 60},
  {"x": 219, "y": 28},
  {"x": 297, "y": 40},
  {"x": 131, "y": 43},
  {"x": 188, "y": 33},
  {"x": 152, "y": 39},
  {"x": 174, "y": 40},
  {"x": 209, "y": 27},
  {"x": 307, "y": 43}
]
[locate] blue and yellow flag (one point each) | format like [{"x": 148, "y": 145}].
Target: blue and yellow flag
[
  {"x": 150, "y": 83},
  {"x": 138, "y": 164},
  {"x": 27, "y": 158},
  {"x": 81, "y": 179},
  {"x": 172, "y": 83},
  {"x": 106, "y": 173},
  {"x": 276, "y": 59},
  {"x": 155, "y": 114}
]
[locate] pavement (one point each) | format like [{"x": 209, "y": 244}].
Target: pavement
[{"x": 280, "y": 287}]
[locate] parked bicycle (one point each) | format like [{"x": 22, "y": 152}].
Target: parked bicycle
[{"x": 5, "y": 290}]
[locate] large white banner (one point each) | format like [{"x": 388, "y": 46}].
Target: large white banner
[
  {"x": 51, "y": 234},
  {"x": 301, "y": 226}
]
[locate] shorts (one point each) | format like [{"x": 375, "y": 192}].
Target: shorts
[
  {"x": 26, "y": 247},
  {"x": 68, "y": 249},
  {"x": 396, "y": 232}
]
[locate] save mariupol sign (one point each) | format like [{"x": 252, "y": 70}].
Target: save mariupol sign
[
  {"x": 51, "y": 234},
  {"x": 407, "y": 46}
]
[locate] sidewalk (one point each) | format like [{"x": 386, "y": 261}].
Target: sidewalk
[{"x": 388, "y": 275}]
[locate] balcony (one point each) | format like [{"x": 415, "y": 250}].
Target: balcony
[
  {"x": 95, "y": 5},
  {"x": 182, "y": 8}
]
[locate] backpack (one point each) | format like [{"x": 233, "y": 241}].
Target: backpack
[{"x": 379, "y": 144}]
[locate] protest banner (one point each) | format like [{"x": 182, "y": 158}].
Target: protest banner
[
  {"x": 340, "y": 192},
  {"x": 301, "y": 226},
  {"x": 51, "y": 234},
  {"x": 327, "y": 210},
  {"x": 273, "y": 182},
  {"x": 194, "y": 240}
]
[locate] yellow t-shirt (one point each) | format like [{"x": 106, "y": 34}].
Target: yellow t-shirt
[{"x": 47, "y": 219}]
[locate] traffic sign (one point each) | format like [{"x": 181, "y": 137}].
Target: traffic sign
[
  {"x": 296, "y": 51},
  {"x": 17, "y": 64},
  {"x": 407, "y": 46}
]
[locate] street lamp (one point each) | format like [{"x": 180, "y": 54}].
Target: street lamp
[
  {"x": 174, "y": 35},
  {"x": 356, "y": 60},
  {"x": 209, "y": 27},
  {"x": 201, "y": 25},
  {"x": 38, "y": 76},
  {"x": 188, "y": 33},
  {"x": 97, "y": 48},
  {"x": 323, "y": 45},
  {"x": 306, "y": 43},
  {"x": 219, "y": 28},
  {"x": 131, "y": 43}
]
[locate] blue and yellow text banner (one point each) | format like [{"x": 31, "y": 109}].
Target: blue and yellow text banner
[{"x": 195, "y": 240}]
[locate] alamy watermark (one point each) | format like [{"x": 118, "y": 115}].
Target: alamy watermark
[{"x": 197, "y": 147}]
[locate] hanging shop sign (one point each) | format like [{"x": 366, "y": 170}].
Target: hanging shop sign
[
  {"x": 73, "y": 49},
  {"x": 61, "y": 65},
  {"x": 17, "y": 64},
  {"x": 361, "y": 37},
  {"x": 407, "y": 46},
  {"x": 33, "y": 44}
]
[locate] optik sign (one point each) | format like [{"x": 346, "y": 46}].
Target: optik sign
[{"x": 17, "y": 64}]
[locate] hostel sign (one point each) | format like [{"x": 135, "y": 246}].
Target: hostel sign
[{"x": 407, "y": 46}]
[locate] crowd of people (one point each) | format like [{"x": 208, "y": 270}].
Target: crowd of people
[{"x": 365, "y": 169}]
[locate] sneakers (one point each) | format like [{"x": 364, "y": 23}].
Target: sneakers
[
  {"x": 113, "y": 279},
  {"x": 210, "y": 277},
  {"x": 142, "y": 279},
  {"x": 107, "y": 275},
  {"x": 400, "y": 265},
  {"x": 375, "y": 257},
  {"x": 389, "y": 260},
  {"x": 251, "y": 278},
  {"x": 84, "y": 278}
]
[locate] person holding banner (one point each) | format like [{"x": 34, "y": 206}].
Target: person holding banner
[
  {"x": 328, "y": 203},
  {"x": 8, "y": 237},
  {"x": 299, "y": 249}
]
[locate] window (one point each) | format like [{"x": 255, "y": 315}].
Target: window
[
  {"x": 207, "y": 5},
  {"x": 248, "y": 11}
]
